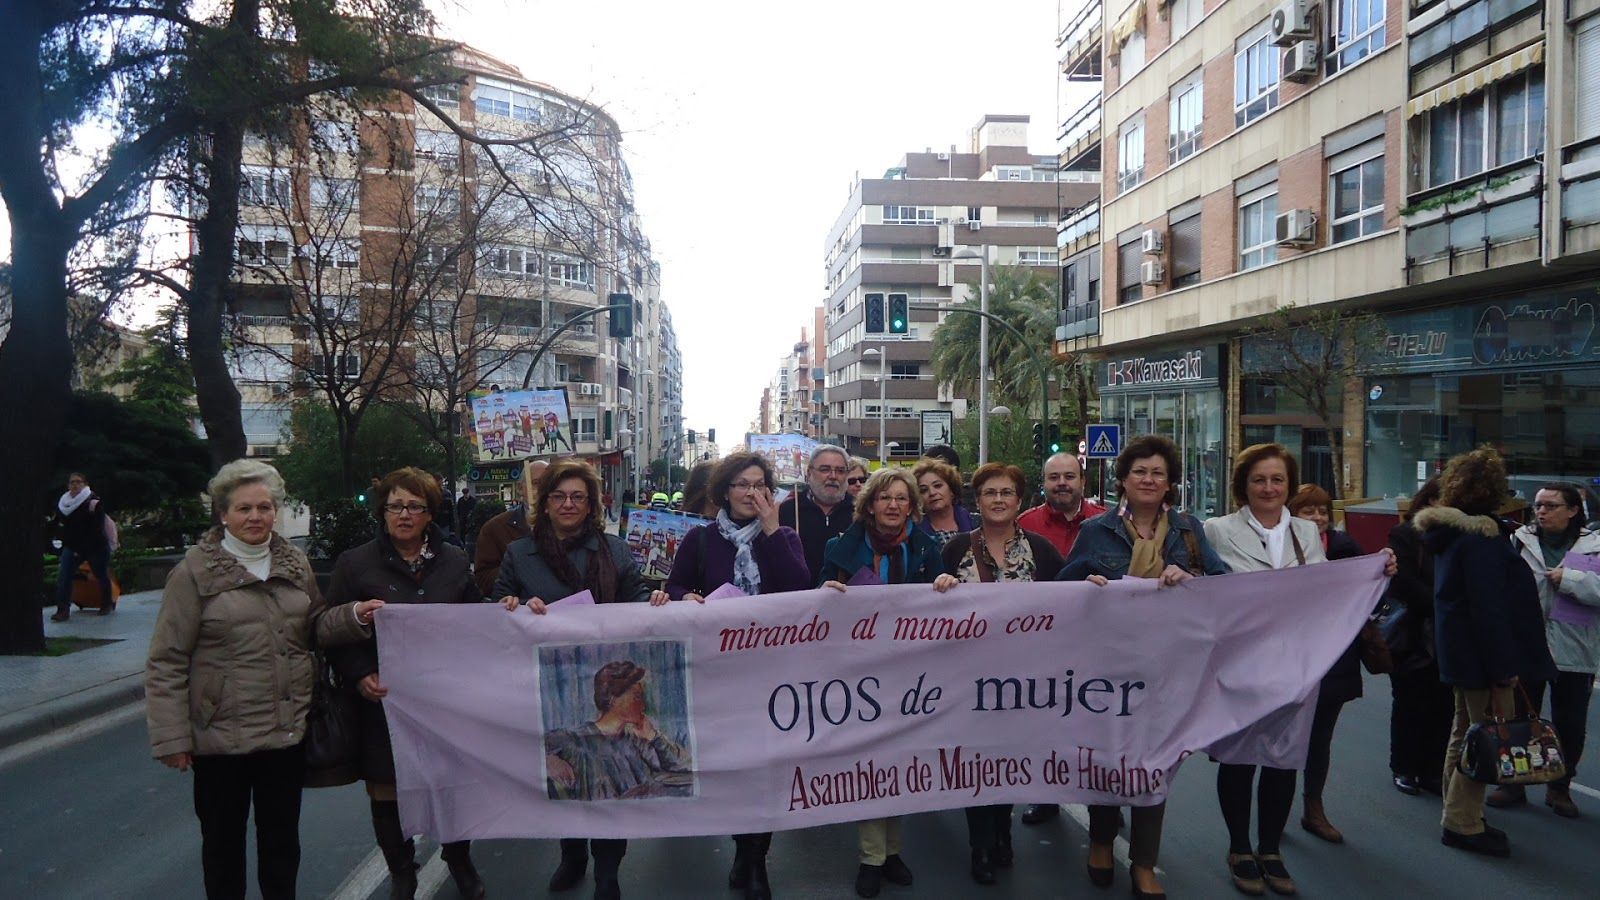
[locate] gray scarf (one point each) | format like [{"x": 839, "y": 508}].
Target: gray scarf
[{"x": 746, "y": 574}]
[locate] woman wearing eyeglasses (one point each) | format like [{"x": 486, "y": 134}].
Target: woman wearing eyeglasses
[
  {"x": 884, "y": 541},
  {"x": 408, "y": 562},
  {"x": 747, "y": 548},
  {"x": 567, "y": 550},
  {"x": 997, "y": 550}
]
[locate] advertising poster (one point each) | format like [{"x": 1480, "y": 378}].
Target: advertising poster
[
  {"x": 653, "y": 537},
  {"x": 786, "y": 452},
  {"x": 520, "y": 424}
]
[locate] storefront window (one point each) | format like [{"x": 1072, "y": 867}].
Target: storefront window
[
  {"x": 1547, "y": 425},
  {"x": 1193, "y": 420}
]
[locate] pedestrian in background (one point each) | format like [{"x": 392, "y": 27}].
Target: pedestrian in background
[
  {"x": 408, "y": 562},
  {"x": 856, "y": 478},
  {"x": 747, "y": 548},
  {"x": 939, "y": 485},
  {"x": 464, "y": 506},
  {"x": 1144, "y": 537},
  {"x": 228, "y": 679},
  {"x": 997, "y": 550},
  {"x": 1422, "y": 707},
  {"x": 505, "y": 528},
  {"x": 695, "y": 497},
  {"x": 81, "y": 521},
  {"x": 1489, "y": 622},
  {"x": 885, "y": 541},
  {"x": 1557, "y": 530},
  {"x": 822, "y": 511}
]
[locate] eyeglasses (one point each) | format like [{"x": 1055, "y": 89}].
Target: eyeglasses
[
  {"x": 997, "y": 494},
  {"x": 746, "y": 486},
  {"x": 577, "y": 498},
  {"x": 1545, "y": 504},
  {"x": 829, "y": 470},
  {"x": 897, "y": 499},
  {"x": 861, "y": 480},
  {"x": 396, "y": 509},
  {"x": 1152, "y": 474}
]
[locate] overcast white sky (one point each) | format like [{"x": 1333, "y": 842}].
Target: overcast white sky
[{"x": 744, "y": 124}]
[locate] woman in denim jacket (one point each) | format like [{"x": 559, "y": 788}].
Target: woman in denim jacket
[{"x": 1143, "y": 537}]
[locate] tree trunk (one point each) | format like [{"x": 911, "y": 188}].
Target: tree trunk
[{"x": 215, "y": 392}]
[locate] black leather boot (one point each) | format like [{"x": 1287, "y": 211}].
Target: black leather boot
[
  {"x": 398, "y": 851},
  {"x": 574, "y": 861},
  {"x": 739, "y": 872},
  {"x": 458, "y": 857},
  {"x": 756, "y": 886},
  {"x": 607, "y": 860}
]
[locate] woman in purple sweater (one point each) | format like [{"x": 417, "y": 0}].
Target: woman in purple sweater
[{"x": 745, "y": 547}]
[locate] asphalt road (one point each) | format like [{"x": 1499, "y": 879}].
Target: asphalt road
[{"x": 94, "y": 817}]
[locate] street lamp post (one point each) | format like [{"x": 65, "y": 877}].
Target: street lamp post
[
  {"x": 882, "y": 353},
  {"x": 983, "y": 347}
]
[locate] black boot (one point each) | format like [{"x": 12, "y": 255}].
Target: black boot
[
  {"x": 756, "y": 886},
  {"x": 607, "y": 860},
  {"x": 739, "y": 872},
  {"x": 398, "y": 850},
  {"x": 574, "y": 861},
  {"x": 458, "y": 857}
]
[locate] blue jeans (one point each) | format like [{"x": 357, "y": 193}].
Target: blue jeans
[{"x": 99, "y": 563}]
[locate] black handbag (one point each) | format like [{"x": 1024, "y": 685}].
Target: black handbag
[
  {"x": 1520, "y": 750},
  {"x": 332, "y": 743},
  {"x": 1394, "y": 622}
]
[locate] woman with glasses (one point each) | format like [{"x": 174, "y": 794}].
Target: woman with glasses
[
  {"x": 1143, "y": 537},
  {"x": 885, "y": 546},
  {"x": 747, "y": 548},
  {"x": 408, "y": 562},
  {"x": 997, "y": 550},
  {"x": 939, "y": 484},
  {"x": 567, "y": 551}
]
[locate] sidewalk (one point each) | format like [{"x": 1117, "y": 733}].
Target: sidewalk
[{"x": 39, "y": 694}]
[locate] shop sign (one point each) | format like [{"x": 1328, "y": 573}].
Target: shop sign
[
  {"x": 1173, "y": 369},
  {"x": 495, "y": 474},
  {"x": 1526, "y": 331}
]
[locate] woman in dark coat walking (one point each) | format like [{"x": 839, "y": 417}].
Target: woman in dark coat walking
[
  {"x": 747, "y": 548},
  {"x": 567, "y": 551},
  {"x": 1489, "y": 626},
  {"x": 410, "y": 561}
]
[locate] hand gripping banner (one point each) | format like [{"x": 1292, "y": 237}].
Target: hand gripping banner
[{"x": 791, "y": 710}]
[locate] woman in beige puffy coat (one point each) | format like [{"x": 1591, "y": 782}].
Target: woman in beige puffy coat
[{"x": 228, "y": 681}]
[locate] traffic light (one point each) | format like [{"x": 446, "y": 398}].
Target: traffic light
[
  {"x": 361, "y": 499},
  {"x": 1038, "y": 439},
  {"x": 621, "y": 318},
  {"x": 1055, "y": 437},
  {"x": 874, "y": 313},
  {"x": 711, "y": 435},
  {"x": 692, "y": 436},
  {"x": 899, "y": 314}
]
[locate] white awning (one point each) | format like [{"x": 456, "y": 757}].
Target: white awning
[{"x": 1477, "y": 79}]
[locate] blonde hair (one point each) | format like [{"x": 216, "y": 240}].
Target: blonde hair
[
  {"x": 878, "y": 483},
  {"x": 239, "y": 473}
]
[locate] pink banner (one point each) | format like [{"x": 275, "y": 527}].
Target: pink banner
[{"x": 793, "y": 710}]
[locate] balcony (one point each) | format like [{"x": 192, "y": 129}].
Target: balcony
[
  {"x": 1080, "y": 43},
  {"x": 1487, "y": 221},
  {"x": 1079, "y": 229},
  {"x": 1079, "y": 320},
  {"x": 1580, "y": 197},
  {"x": 1080, "y": 133}
]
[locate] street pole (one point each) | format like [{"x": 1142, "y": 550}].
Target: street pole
[
  {"x": 638, "y": 428},
  {"x": 985, "y": 316},
  {"x": 883, "y": 403},
  {"x": 983, "y": 355}
]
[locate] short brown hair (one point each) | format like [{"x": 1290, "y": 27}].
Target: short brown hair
[
  {"x": 1310, "y": 495},
  {"x": 1475, "y": 482},
  {"x": 559, "y": 471},
  {"x": 728, "y": 468},
  {"x": 1256, "y": 453},
  {"x": 880, "y": 480},
  {"x": 989, "y": 471},
  {"x": 613, "y": 679},
  {"x": 1145, "y": 446},
  {"x": 940, "y": 469},
  {"x": 412, "y": 480}
]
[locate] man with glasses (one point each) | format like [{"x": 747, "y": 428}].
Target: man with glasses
[{"x": 823, "y": 510}]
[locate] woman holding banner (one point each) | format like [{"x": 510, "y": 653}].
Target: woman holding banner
[
  {"x": 568, "y": 551},
  {"x": 884, "y": 546},
  {"x": 997, "y": 550},
  {"x": 1143, "y": 537},
  {"x": 747, "y": 548}
]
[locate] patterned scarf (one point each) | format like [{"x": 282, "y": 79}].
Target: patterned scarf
[
  {"x": 600, "y": 578},
  {"x": 891, "y": 556},
  {"x": 746, "y": 574}
]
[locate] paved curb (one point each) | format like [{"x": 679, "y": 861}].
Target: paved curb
[{"x": 62, "y": 712}]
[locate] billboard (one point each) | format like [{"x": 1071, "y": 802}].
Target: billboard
[
  {"x": 519, "y": 424},
  {"x": 653, "y": 538},
  {"x": 786, "y": 452}
]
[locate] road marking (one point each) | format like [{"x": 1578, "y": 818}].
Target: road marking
[
  {"x": 364, "y": 879},
  {"x": 1582, "y": 789},
  {"x": 78, "y": 731},
  {"x": 1119, "y": 848},
  {"x": 432, "y": 876}
]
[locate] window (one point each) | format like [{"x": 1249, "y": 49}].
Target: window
[
  {"x": 335, "y": 308},
  {"x": 1185, "y": 15},
  {"x": 265, "y": 186},
  {"x": 1130, "y": 153},
  {"x": 267, "y": 364},
  {"x": 1255, "y": 75},
  {"x": 435, "y": 258},
  {"x": 440, "y": 145},
  {"x": 341, "y": 367},
  {"x": 974, "y": 214},
  {"x": 1258, "y": 213},
  {"x": 1586, "y": 80},
  {"x": 339, "y": 253},
  {"x": 1183, "y": 121},
  {"x": 445, "y": 95},
  {"x": 1355, "y": 192},
  {"x": 583, "y": 425},
  {"x": 572, "y": 272},
  {"x": 1129, "y": 255},
  {"x": 1357, "y": 32},
  {"x": 433, "y": 198},
  {"x": 263, "y": 424},
  {"x": 1036, "y": 256},
  {"x": 334, "y": 192},
  {"x": 1131, "y": 58},
  {"x": 334, "y": 135},
  {"x": 513, "y": 262},
  {"x": 1183, "y": 243},
  {"x": 1499, "y": 125},
  {"x": 492, "y": 101},
  {"x": 908, "y": 215},
  {"x": 261, "y": 245},
  {"x": 904, "y": 371}
]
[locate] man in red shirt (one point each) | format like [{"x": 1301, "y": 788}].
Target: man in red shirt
[{"x": 1059, "y": 519}]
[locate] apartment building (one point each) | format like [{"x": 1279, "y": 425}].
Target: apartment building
[
  {"x": 379, "y": 227},
  {"x": 902, "y": 239},
  {"x": 1373, "y": 154},
  {"x": 791, "y": 401}
]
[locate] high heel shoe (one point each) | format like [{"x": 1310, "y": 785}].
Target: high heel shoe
[
  {"x": 1101, "y": 877},
  {"x": 1143, "y": 895}
]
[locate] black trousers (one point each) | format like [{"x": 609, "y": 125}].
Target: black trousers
[
  {"x": 1144, "y": 836},
  {"x": 1319, "y": 754},
  {"x": 989, "y": 827},
  {"x": 1420, "y": 720},
  {"x": 1569, "y": 712},
  {"x": 1274, "y": 799},
  {"x": 225, "y": 788}
]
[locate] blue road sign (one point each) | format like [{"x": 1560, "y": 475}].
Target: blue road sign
[{"x": 1105, "y": 441}]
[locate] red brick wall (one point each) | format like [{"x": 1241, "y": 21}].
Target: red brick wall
[
  {"x": 1217, "y": 116},
  {"x": 1219, "y": 250},
  {"x": 1155, "y": 138},
  {"x": 1301, "y": 186}
]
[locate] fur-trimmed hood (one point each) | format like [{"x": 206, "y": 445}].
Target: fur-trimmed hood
[{"x": 1438, "y": 517}]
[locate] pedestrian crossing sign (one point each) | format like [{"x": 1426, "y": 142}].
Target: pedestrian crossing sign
[{"x": 1105, "y": 441}]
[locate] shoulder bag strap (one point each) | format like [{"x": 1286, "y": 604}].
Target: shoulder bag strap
[
  {"x": 1196, "y": 564},
  {"x": 1299, "y": 553}
]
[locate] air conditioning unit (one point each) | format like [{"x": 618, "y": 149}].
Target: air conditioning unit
[
  {"x": 1150, "y": 241},
  {"x": 1296, "y": 228},
  {"x": 1292, "y": 22},
  {"x": 1300, "y": 62},
  {"x": 590, "y": 389},
  {"x": 942, "y": 220},
  {"x": 941, "y": 251},
  {"x": 974, "y": 224},
  {"x": 1152, "y": 272},
  {"x": 943, "y": 157}
]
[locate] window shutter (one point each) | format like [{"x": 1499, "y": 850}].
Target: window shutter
[
  {"x": 1185, "y": 236},
  {"x": 1129, "y": 256},
  {"x": 1587, "y": 80}
]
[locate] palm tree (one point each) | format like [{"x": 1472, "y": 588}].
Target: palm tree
[{"x": 1026, "y": 299}]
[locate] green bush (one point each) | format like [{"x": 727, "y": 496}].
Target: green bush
[{"x": 337, "y": 526}]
